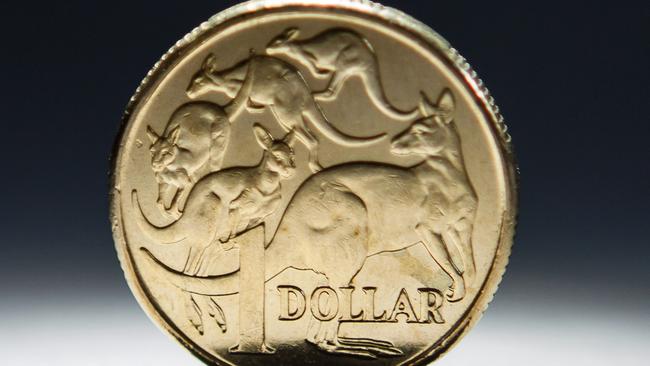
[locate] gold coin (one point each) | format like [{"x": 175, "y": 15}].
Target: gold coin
[{"x": 313, "y": 182}]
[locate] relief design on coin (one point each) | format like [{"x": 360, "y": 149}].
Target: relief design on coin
[{"x": 326, "y": 187}]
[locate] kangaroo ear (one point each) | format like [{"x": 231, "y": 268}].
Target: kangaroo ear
[
  {"x": 290, "y": 138},
  {"x": 446, "y": 105},
  {"x": 263, "y": 136},
  {"x": 427, "y": 109},
  {"x": 210, "y": 63},
  {"x": 153, "y": 136},
  {"x": 292, "y": 33},
  {"x": 174, "y": 135}
]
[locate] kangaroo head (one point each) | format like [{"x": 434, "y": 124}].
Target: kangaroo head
[
  {"x": 283, "y": 43},
  {"x": 163, "y": 149},
  {"x": 278, "y": 154},
  {"x": 207, "y": 78},
  {"x": 431, "y": 135}
]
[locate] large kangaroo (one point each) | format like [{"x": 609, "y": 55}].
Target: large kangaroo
[
  {"x": 339, "y": 54},
  {"x": 263, "y": 81},
  {"x": 228, "y": 202},
  {"x": 192, "y": 145},
  {"x": 344, "y": 214}
]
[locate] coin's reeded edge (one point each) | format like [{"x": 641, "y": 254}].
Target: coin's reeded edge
[{"x": 363, "y": 8}]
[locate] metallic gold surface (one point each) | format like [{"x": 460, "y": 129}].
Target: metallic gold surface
[{"x": 313, "y": 182}]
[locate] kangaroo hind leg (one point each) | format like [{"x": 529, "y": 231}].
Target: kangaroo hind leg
[
  {"x": 462, "y": 232},
  {"x": 439, "y": 251}
]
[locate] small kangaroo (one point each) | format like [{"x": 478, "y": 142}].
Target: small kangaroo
[
  {"x": 344, "y": 214},
  {"x": 228, "y": 202},
  {"x": 262, "y": 81},
  {"x": 339, "y": 54},
  {"x": 193, "y": 144}
]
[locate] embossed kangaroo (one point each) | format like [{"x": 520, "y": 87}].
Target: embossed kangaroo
[
  {"x": 192, "y": 145},
  {"x": 341, "y": 216},
  {"x": 228, "y": 202},
  {"x": 339, "y": 54},
  {"x": 451, "y": 199},
  {"x": 262, "y": 81}
]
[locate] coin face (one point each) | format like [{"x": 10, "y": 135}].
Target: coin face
[{"x": 313, "y": 182}]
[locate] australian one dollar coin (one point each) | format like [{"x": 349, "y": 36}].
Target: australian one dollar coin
[{"x": 313, "y": 182}]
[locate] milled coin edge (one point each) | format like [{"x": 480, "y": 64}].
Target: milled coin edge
[{"x": 364, "y": 8}]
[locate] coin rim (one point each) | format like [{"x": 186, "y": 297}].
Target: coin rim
[{"x": 395, "y": 20}]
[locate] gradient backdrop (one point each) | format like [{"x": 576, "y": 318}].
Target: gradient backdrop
[{"x": 571, "y": 78}]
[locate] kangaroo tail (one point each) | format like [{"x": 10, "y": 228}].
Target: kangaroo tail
[
  {"x": 161, "y": 235},
  {"x": 227, "y": 284},
  {"x": 318, "y": 119},
  {"x": 376, "y": 93}
]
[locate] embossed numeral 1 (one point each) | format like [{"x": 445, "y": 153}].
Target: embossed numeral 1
[{"x": 251, "y": 293}]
